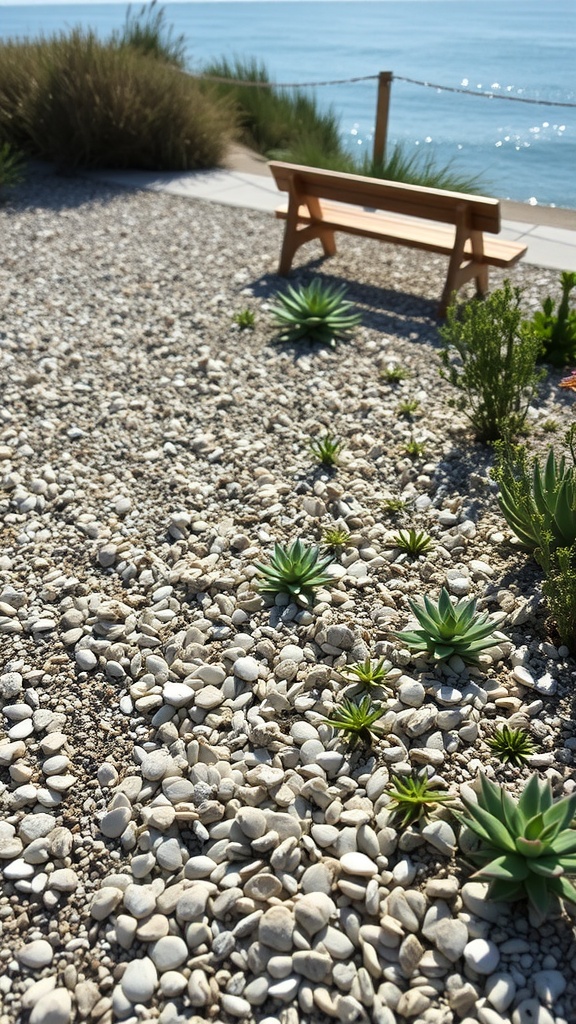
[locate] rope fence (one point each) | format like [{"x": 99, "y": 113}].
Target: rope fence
[{"x": 371, "y": 78}]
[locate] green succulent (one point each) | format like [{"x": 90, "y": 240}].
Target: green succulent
[
  {"x": 448, "y": 629},
  {"x": 295, "y": 570},
  {"x": 245, "y": 319},
  {"x": 356, "y": 719},
  {"x": 317, "y": 312},
  {"x": 326, "y": 449},
  {"x": 527, "y": 847},
  {"x": 412, "y": 542},
  {"x": 414, "y": 448},
  {"x": 511, "y": 745},
  {"x": 394, "y": 374},
  {"x": 536, "y": 501},
  {"x": 413, "y": 796},
  {"x": 407, "y": 407},
  {"x": 368, "y": 672},
  {"x": 335, "y": 537}
]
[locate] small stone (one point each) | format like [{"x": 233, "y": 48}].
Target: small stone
[
  {"x": 450, "y": 938},
  {"x": 247, "y": 668},
  {"x": 531, "y": 1011},
  {"x": 53, "y": 1008},
  {"x": 105, "y": 902},
  {"x": 358, "y": 864},
  {"x": 139, "y": 900},
  {"x": 482, "y": 956},
  {"x": 313, "y": 911},
  {"x": 275, "y": 929},
  {"x": 169, "y": 953},
  {"x": 549, "y": 985},
  {"x": 115, "y": 821},
  {"x": 156, "y": 764},
  {"x": 85, "y": 659},
  {"x": 139, "y": 980},
  {"x": 36, "y": 826},
  {"x": 36, "y": 954},
  {"x": 500, "y": 991},
  {"x": 236, "y": 1006}
]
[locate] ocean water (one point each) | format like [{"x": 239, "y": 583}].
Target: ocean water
[{"x": 519, "y": 49}]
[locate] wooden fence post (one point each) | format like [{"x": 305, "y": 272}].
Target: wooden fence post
[{"x": 382, "y": 108}]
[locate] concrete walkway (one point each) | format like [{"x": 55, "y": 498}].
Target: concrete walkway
[{"x": 549, "y": 233}]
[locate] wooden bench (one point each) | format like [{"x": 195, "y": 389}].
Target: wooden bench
[{"x": 450, "y": 223}]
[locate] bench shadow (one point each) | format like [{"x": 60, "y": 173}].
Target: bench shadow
[{"x": 383, "y": 309}]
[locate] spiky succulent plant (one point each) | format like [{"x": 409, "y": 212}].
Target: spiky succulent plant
[
  {"x": 413, "y": 796},
  {"x": 356, "y": 719},
  {"x": 535, "y": 501},
  {"x": 527, "y": 847},
  {"x": 412, "y": 542},
  {"x": 511, "y": 745},
  {"x": 296, "y": 570},
  {"x": 447, "y": 629},
  {"x": 326, "y": 449},
  {"x": 368, "y": 672},
  {"x": 335, "y": 537},
  {"x": 316, "y": 312}
]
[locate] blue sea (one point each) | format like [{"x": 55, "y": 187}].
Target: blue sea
[{"x": 516, "y": 50}]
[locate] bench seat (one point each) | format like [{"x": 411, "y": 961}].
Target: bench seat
[{"x": 459, "y": 226}]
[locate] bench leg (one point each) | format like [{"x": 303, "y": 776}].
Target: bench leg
[
  {"x": 482, "y": 281},
  {"x": 328, "y": 240},
  {"x": 295, "y": 237}
]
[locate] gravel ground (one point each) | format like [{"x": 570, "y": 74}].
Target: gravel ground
[{"x": 182, "y": 838}]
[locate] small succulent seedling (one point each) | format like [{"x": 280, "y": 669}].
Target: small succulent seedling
[
  {"x": 412, "y": 542},
  {"x": 335, "y": 537},
  {"x": 527, "y": 847},
  {"x": 316, "y": 312},
  {"x": 550, "y": 426},
  {"x": 392, "y": 504},
  {"x": 511, "y": 746},
  {"x": 413, "y": 796},
  {"x": 368, "y": 672},
  {"x": 356, "y": 720},
  {"x": 296, "y": 570},
  {"x": 394, "y": 374},
  {"x": 409, "y": 406},
  {"x": 447, "y": 629},
  {"x": 326, "y": 449},
  {"x": 245, "y": 319},
  {"x": 414, "y": 448}
]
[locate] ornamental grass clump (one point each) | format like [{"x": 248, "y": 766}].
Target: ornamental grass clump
[
  {"x": 413, "y": 797},
  {"x": 296, "y": 570},
  {"x": 538, "y": 503},
  {"x": 527, "y": 847},
  {"x": 317, "y": 312},
  {"x": 356, "y": 720},
  {"x": 448, "y": 628},
  {"x": 495, "y": 366}
]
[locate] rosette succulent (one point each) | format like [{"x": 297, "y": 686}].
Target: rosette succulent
[
  {"x": 448, "y": 628},
  {"x": 295, "y": 570},
  {"x": 356, "y": 719},
  {"x": 316, "y": 312},
  {"x": 527, "y": 847}
]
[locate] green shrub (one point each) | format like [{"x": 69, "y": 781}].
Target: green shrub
[
  {"x": 527, "y": 847},
  {"x": 448, "y": 628},
  {"x": 557, "y": 331},
  {"x": 496, "y": 370},
  {"x": 81, "y": 102},
  {"x": 538, "y": 504},
  {"x": 559, "y": 588}
]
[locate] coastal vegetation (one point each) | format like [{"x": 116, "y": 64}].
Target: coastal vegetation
[{"x": 80, "y": 101}]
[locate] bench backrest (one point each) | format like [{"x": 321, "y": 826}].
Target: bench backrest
[{"x": 377, "y": 194}]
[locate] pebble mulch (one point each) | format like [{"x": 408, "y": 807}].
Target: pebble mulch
[{"x": 182, "y": 837}]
